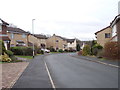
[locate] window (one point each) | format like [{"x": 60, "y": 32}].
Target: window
[
  {"x": 57, "y": 41},
  {"x": 107, "y": 35},
  {"x": 12, "y": 35},
  {"x": 23, "y": 36}
]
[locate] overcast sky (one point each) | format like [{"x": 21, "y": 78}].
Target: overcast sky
[{"x": 68, "y": 18}]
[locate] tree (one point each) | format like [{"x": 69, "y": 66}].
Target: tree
[
  {"x": 86, "y": 50},
  {"x": 78, "y": 47}
]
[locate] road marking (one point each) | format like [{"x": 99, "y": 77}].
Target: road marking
[{"x": 53, "y": 85}]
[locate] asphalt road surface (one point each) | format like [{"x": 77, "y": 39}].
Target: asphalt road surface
[
  {"x": 70, "y": 72},
  {"x": 67, "y": 72}
]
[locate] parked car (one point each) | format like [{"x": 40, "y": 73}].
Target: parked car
[{"x": 45, "y": 50}]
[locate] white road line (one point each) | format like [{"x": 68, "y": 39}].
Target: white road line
[{"x": 53, "y": 85}]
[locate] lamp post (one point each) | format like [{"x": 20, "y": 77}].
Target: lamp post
[{"x": 33, "y": 34}]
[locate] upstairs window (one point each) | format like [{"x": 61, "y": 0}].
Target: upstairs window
[
  {"x": 23, "y": 36},
  {"x": 107, "y": 35},
  {"x": 12, "y": 36}
]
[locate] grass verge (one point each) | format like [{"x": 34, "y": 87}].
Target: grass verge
[{"x": 28, "y": 57}]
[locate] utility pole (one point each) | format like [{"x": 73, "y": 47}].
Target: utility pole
[{"x": 33, "y": 34}]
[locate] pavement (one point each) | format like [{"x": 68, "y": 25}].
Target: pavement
[
  {"x": 95, "y": 59},
  {"x": 34, "y": 76}
]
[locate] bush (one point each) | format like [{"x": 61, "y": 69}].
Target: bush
[
  {"x": 66, "y": 50},
  {"x": 2, "y": 48},
  {"x": 86, "y": 50},
  {"x": 60, "y": 50},
  {"x": 96, "y": 49},
  {"x": 111, "y": 50},
  {"x": 52, "y": 49},
  {"x": 5, "y": 58},
  {"x": 9, "y": 53},
  {"x": 23, "y": 51},
  {"x": 41, "y": 52}
]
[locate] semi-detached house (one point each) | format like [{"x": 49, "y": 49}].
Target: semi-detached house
[{"x": 18, "y": 36}]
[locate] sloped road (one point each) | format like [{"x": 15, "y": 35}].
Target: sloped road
[
  {"x": 70, "y": 72},
  {"x": 67, "y": 72}
]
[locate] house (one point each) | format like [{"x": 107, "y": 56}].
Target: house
[
  {"x": 103, "y": 36},
  {"x": 33, "y": 40},
  {"x": 72, "y": 43},
  {"x": 3, "y": 33},
  {"x": 18, "y": 36},
  {"x": 38, "y": 40},
  {"x": 115, "y": 25},
  {"x": 57, "y": 42},
  {"x": 42, "y": 39}
]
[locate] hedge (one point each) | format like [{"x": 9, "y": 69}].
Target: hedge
[
  {"x": 111, "y": 50},
  {"x": 28, "y": 51}
]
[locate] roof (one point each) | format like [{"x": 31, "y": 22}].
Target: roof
[
  {"x": 41, "y": 36},
  {"x": 5, "y": 38},
  {"x": 3, "y": 22},
  {"x": 102, "y": 30},
  {"x": 70, "y": 40},
  {"x": 115, "y": 20},
  {"x": 16, "y": 30}
]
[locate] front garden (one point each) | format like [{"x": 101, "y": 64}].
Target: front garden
[{"x": 109, "y": 51}]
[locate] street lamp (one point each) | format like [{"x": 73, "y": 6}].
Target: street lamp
[{"x": 33, "y": 34}]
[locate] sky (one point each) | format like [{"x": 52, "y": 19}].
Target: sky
[{"x": 67, "y": 18}]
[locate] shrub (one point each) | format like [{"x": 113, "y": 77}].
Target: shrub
[
  {"x": 111, "y": 50},
  {"x": 41, "y": 52},
  {"x": 9, "y": 53},
  {"x": 13, "y": 58},
  {"x": 23, "y": 50},
  {"x": 52, "y": 49},
  {"x": 66, "y": 50},
  {"x": 2, "y": 48},
  {"x": 96, "y": 49},
  {"x": 86, "y": 50},
  {"x": 5, "y": 58},
  {"x": 60, "y": 50}
]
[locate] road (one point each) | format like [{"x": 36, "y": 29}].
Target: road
[
  {"x": 70, "y": 72},
  {"x": 67, "y": 72}
]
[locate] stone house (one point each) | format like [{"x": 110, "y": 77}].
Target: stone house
[
  {"x": 42, "y": 39},
  {"x": 57, "y": 42},
  {"x": 38, "y": 40},
  {"x": 3, "y": 33},
  {"x": 103, "y": 36},
  {"x": 18, "y": 36}
]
